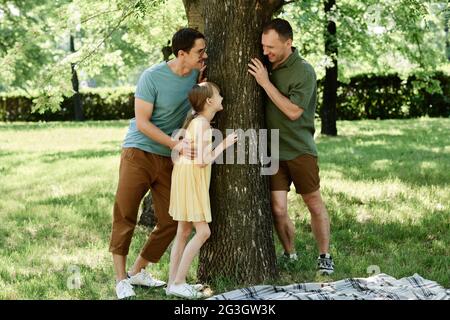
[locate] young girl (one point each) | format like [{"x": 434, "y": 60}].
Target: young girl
[{"x": 189, "y": 194}]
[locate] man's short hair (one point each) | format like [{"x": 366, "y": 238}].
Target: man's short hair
[
  {"x": 184, "y": 39},
  {"x": 280, "y": 26}
]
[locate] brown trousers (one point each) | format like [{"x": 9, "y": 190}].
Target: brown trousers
[{"x": 140, "y": 171}]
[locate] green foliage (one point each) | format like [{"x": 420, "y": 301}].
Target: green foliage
[
  {"x": 432, "y": 93},
  {"x": 371, "y": 96},
  {"x": 27, "y": 41},
  {"x": 367, "y": 96},
  {"x": 114, "y": 42},
  {"x": 98, "y": 104},
  {"x": 373, "y": 36}
]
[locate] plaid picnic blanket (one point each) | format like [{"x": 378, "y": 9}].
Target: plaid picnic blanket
[{"x": 377, "y": 287}]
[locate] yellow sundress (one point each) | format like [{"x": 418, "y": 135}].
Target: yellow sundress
[{"x": 189, "y": 193}]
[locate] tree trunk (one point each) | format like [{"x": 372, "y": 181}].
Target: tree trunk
[
  {"x": 447, "y": 38},
  {"x": 241, "y": 246},
  {"x": 76, "y": 98},
  {"x": 328, "y": 110},
  {"x": 194, "y": 13},
  {"x": 166, "y": 51},
  {"x": 148, "y": 217}
]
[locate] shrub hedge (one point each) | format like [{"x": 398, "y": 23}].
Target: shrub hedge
[
  {"x": 366, "y": 96},
  {"x": 371, "y": 96}
]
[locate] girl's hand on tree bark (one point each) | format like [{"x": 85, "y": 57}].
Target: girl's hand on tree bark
[{"x": 231, "y": 139}]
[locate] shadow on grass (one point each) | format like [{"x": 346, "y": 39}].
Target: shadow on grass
[
  {"x": 397, "y": 248},
  {"x": 79, "y": 154},
  {"x": 88, "y": 198},
  {"x": 28, "y": 126},
  {"x": 386, "y": 157},
  {"x": 113, "y": 143},
  {"x": 10, "y": 160},
  {"x": 7, "y": 153}
]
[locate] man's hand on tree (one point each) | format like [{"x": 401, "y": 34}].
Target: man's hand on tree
[
  {"x": 202, "y": 74},
  {"x": 259, "y": 71}
]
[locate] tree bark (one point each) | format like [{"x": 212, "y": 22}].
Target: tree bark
[
  {"x": 447, "y": 38},
  {"x": 241, "y": 246},
  {"x": 328, "y": 111},
  {"x": 148, "y": 217},
  {"x": 76, "y": 98},
  {"x": 167, "y": 51},
  {"x": 194, "y": 13}
]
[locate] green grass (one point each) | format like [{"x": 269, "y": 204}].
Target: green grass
[{"x": 386, "y": 185}]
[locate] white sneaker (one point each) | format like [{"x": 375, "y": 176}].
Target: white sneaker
[
  {"x": 184, "y": 291},
  {"x": 197, "y": 286},
  {"x": 293, "y": 256},
  {"x": 124, "y": 290},
  {"x": 289, "y": 256},
  {"x": 143, "y": 278}
]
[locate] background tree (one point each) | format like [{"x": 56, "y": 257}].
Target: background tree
[
  {"x": 328, "y": 112},
  {"x": 76, "y": 98},
  {"x": 447, "y": 38},
  {"x": 372, "y": 36},
  {"x": 167, "y": 51}
]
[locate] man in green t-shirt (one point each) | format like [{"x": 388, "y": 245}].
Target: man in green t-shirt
[
  {"x": 291, "y": 88},
  {"x": 161, "y": 106}
]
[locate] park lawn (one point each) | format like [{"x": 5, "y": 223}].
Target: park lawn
[{"x": 386, "y": 185}]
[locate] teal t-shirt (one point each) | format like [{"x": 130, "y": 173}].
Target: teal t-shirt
[{"x": 168, "y": 93}]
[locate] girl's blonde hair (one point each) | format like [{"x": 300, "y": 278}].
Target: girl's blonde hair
[{"x": 197, "y": 97}]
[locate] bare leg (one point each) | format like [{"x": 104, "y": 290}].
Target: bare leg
[
  {"x": 283, "y": 224},
  {"x": 139, "y": 264},
  {"x": 119, "y": 266},
  {"x": 183, "y": 232},
  {"x": 320, "y": 222},
  {"x": 202, "y": 234}
]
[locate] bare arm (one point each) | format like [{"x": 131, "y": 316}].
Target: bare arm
[
  {"x": 143, "y": 111},
  {"x": 208, "y": 156},
  {"x": 290, "y": 109}
]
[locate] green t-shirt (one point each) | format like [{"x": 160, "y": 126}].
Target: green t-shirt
[
  {"x": 296, "y": 79},
  {"x": 168, "y": 93}
]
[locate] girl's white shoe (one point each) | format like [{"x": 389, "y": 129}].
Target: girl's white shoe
[
  {"x": 197, "y": 286},
  {"x": 184, "y": 290}
]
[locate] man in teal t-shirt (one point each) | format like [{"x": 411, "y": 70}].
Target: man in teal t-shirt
[
  {"x": 291, "y": 88},
  {"x": 168, "y": 92},
  {"x": 161, "y": 106}
]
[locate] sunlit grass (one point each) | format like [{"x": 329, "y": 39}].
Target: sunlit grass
[{"x": 385, "y": 184}]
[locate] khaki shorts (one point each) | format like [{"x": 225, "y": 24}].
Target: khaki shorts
[{"x": 303, "y": 171}]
